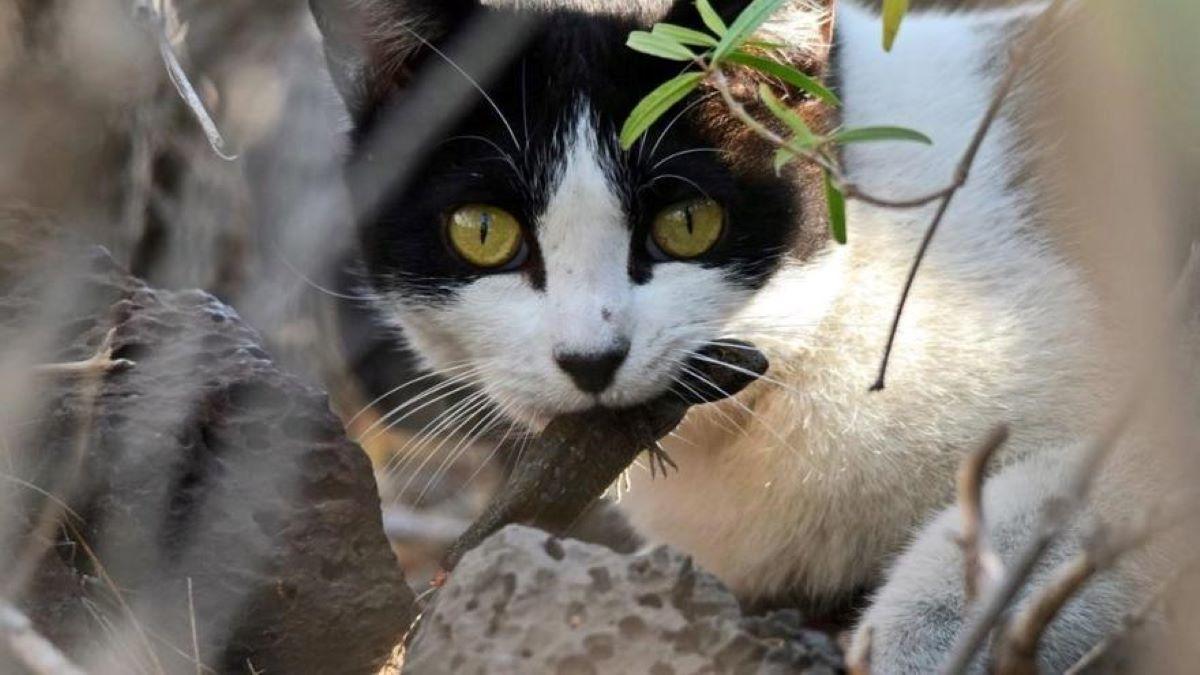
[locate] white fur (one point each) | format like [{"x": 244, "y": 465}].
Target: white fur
[
  {"x": 828, "y": 480},
  {"x": 589, "y": 304}
]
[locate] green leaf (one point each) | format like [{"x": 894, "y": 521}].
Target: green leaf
[
  {"x": 837, "y": 210},
  {"x": 685, "y": 36},
  {"x": 656, "y": 104},
  {"x": 804, "y": 136},
  {"x": 786, "y": 73},
  {"x": 750, "y": 20},
  {"x": 711, "y": 18},
  {"x": 783, "y": 157},
  {"x": 893, "y": 14},
  {"x": 868, "y": 134},
  {"x": 659, "y": 45}
]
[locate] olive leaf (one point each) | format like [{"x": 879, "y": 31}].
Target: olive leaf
[
  {"x": 659, "y": 45},
  {"x": 685, "y": 36},
  {"x": 893, "y": 14},
  {"x": 711, "y": 18},
  {"x": 784, "y": 72},
  {"x": 804, "y": 135},
  {"x": 749, "y": 21},
  {"x": 837, "y": 210},
  {"x": 868, "y": 134},
  {"x": 656, "y": 104}
]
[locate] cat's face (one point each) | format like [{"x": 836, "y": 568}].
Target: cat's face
[{"x": 534, "y": 257}]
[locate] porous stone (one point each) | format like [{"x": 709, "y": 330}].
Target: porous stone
[
  {"x": 526, "y": 602},
  {"x": 212, "y": 489}
]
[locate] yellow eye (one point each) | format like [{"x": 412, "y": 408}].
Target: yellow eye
[
  {"x": 485, "y": 236},
  {"x": 689, "y": 229}
]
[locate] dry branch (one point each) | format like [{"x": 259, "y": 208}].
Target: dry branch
[
  {"x": 1058, "y": 511},
  {"x": 981, "y": 566},
  {"x": 1134, "y": 619},
  {"x": 1056, "y": 514},
  {"x": 1016, "y": 652}
]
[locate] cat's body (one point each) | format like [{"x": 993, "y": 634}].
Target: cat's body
[{"x": 808, "y": 485}]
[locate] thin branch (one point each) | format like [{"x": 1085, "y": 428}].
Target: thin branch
[
  {"x": 93, "y": 371},
  {"x": 1016, "y": 652},
  {"x": 1134, "y": 619},
  {"x": 1016, "y": 65},
  {"x": 30, "y": 648},
  {"x": 100, "y": 363},
  {"x": 1056, "y": 514},
  {"x": 982, "y": 568},
  {"x": 150, "y": 14}
]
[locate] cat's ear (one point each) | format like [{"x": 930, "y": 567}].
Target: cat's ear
[
  {"x": 372, "y": 46},
  {"x": 803, "y": 29}
]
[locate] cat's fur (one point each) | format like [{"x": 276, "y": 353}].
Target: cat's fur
[{"x": 807, "y": 485}]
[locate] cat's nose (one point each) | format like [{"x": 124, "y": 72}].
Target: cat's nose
[{"x": 593, "y": 372}]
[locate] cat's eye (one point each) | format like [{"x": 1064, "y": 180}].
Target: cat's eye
[
  {"x": 485, "y": 236},
  {"x": 688, "y": 229}
]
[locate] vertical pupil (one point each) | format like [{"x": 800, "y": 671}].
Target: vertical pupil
[
  {"x": 485, "y": 225},
  {"x": 688, "y": 212}
]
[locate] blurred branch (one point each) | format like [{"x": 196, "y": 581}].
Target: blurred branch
[
  {"x": 1016, "y": 651},
  {"x": 1058, "y": 511},
  {"x": 1134, "y": 619},
  {"x": 982, "y": 567},
  {"x": 152, "y": 15},
  {"x": 33, "y": 651},
  {"x": 1056, "y": 514}
]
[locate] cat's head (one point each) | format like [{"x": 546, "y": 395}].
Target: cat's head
[{"x": 506, "y": 231}]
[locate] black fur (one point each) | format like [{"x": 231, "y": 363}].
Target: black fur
[{"x": 572, "y": 58}]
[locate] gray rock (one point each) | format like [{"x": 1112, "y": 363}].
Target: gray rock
[
  {"x": 525, "y": 602},
  {"x": 203, "y": 467}
]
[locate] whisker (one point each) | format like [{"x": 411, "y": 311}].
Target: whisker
[
  {"x": 684, "y": 153},
  {"x": 455, "y": 66},
  {"x": 434, "y": 428},
  {"x": 458, "y": 365},
  {"x": 662, "y": 135},
  {"x": 683, "y": 179},
  {"x": 480, "y": 407},
  {"x": 456, "y": 384},
  {"x": 488, "y": 423}
]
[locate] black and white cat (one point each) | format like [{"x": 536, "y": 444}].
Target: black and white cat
[{"x": 528, "y": 255}]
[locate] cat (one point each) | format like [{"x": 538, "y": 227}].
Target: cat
[{"x": 522, "y": 251}]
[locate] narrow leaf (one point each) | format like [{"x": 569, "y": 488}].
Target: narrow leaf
[
  {"x": 685, "y": 36},
  {"x": 868, "y": 134},
  {"x": 783, "y": 157},
  {"x": 656, "y": 104},
  {"x": 659, "y": 45},
  {"x": 837, "y": 210},
  {"x": 711, "y": 19},
  {"x": 750, "y": 20},
  {"x": 893, "y": 14},
  {"x": 786, "y": 73},
  {"x": 804, "y": 135}
]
